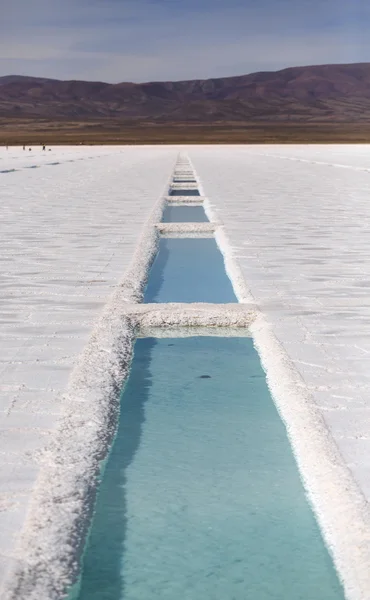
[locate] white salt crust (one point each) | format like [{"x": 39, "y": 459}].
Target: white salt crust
[
  {"x": 186, "y": 229},
  {"x": 191, "y": 315},
  {"x": 185, "y": 199},
  {"x": 183, "y": 332},
  {"x": 184, "y": 186},
  {"x": 48, "y": 554},
  {"x": 340, "y": 508},
  {"x": 61, "y": 505},
  {"x": 183, "y": 203}
]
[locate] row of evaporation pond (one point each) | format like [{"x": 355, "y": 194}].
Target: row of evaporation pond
[{"x": 201, "y": 498}]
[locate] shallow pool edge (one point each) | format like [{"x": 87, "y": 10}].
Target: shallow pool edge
[{"x": 340, "y": 508}]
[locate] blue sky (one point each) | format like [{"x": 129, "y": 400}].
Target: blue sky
[{"x": 148, "y": 40}]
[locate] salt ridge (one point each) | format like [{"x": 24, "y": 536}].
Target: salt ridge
[
  {"x": 48, "y": 555},
  {"x": 340, "y": 507}
]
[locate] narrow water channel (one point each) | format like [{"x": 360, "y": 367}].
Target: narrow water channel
[
  {"x": 189, "y": 270},
  {"x": 184, "y": 214},
  {"x": 186, "y": 192},
  {"x": 201, "y": 497}
]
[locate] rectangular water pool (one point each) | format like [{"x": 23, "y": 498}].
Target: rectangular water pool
[
  {"x": 189, "y": 270},
  {"x": 191, "y": 192},
  {"x": 184, "y": 214},
  {"x": 201, "y": 497}
]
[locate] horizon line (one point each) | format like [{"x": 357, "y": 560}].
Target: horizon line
[{"x": 341, "y": 64}]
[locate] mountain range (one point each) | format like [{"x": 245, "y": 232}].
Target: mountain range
[{"x": 324, "y": 93}]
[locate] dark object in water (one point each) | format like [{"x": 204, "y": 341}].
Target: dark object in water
[{"x": 205, "y": 377}]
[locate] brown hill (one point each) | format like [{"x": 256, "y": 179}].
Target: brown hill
[{"x": 329, "y": 93}]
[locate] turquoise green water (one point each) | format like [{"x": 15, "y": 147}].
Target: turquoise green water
[
  {"x": 189, "y": 270},
  {"x": 201, "y": 497},
  {"x": 184, "y": 214},
  {"x": 185, "y": 192}
]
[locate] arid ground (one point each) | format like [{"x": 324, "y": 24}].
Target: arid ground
[{"x": 35, "y": 131}]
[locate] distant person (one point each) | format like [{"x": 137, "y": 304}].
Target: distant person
[
  {"x": 44, "y": 147},
  {"x": 24, "y": 147}
]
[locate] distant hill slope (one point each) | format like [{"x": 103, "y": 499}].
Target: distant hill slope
[{"x": 332, "y": 93}]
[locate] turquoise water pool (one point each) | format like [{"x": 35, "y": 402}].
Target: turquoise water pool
[
  {"x": 189, "y": 270},
  {"x": 184, "y": 214},
  {"x": 201, "y": 497},
  {"x": 184, "y": 192}
]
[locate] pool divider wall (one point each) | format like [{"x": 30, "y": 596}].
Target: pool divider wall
[
  {"x": 187, "y": 229},
  {"x": 185, "y": 199},
  {"x": 173, "y": 202},
  {"x": 178, "y": 331},
  {"x": 49, "y": 552},
  {"x": 183, "y": 186}
]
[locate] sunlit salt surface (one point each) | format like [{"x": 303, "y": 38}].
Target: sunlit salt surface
[
  {"x": 184, "y": 214},
  {"x": 185, "y": 192},
  {"x": 189, "y": 270},
  {"x": 201, "y": 497}
]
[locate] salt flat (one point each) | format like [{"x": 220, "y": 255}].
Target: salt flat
[
  {"x": 299, "y": 231},
  {"x": 68, "y": 234},
  {"x": 33, "y": 157},
  {"x": 297, "y": 219}
]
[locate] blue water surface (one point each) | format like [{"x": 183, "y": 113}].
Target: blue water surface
[
  {"x": 189, "y": 270},
  {"x": 185, "y": 192},
  {"x": 201, "y": 498},
  {"x": 184, "y": 214}
]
